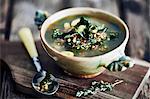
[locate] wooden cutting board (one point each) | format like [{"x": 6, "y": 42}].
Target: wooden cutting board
[{"x": 15, "y": 55}]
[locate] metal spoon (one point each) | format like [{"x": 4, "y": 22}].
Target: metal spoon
[{"x": 27, "y": 39}]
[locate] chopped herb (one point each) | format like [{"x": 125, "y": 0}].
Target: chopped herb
[
  {"x": 56, "y": 33},
  {"x": 82, "y": 34},
  {"x": 113, "y": 35},
  {"x": 46, "y": 84}
]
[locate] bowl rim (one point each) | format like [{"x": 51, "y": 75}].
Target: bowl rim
[{"x": 45, "y": 24}]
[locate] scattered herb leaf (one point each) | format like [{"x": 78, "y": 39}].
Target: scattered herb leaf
[{"x": 97, "y": 86}]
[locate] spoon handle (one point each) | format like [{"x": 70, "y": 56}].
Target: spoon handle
[{"x": 27, "y": 39}]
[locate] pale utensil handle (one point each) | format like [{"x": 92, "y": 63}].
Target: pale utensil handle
[{"x": 27, "y": 39}]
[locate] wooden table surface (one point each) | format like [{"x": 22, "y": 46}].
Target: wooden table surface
[
  {"x": 17, "y": 58},
  {"x": 134, "y": 12}
]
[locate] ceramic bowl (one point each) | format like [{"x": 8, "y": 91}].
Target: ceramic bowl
[{"x": 88, "y": 67}]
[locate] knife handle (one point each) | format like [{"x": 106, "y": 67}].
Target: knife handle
[{"x": 27, "y": 39}]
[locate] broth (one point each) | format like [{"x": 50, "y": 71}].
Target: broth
[{"x": 111, "y": 44}]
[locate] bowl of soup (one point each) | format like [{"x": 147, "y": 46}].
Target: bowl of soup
[{"x": 86, "y": 41}]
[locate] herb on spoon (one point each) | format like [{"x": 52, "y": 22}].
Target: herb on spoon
[{"x": 46, "y": 84}]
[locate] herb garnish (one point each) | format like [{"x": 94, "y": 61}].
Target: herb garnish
[
  {"x": 82, "y": 34},
  {"x": 97, "y": 86}
]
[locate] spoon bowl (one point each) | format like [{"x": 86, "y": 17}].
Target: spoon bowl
[{"x": 39, "y": 76}]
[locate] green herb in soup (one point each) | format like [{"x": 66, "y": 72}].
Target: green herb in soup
[{"x": 82, "y": 36}]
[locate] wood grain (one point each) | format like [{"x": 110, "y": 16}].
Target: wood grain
[{"x": 23, "y": 70}]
